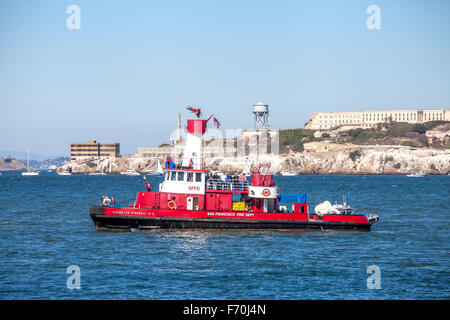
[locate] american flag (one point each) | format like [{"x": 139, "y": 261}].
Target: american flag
[{"x": 216, "y": 122}]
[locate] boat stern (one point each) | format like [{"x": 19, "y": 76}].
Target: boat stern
[{"x": 96, "y": 212}]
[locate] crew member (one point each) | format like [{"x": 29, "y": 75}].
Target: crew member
[
  {"x": 168, "y": 162},
  {"x": 106, "y": 201},
  {"x": 242, "y": 180},
  {"x": 147, "y": 185},
  {"x": 180, "y": 161}
]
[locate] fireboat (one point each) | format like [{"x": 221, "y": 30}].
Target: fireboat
[{"x": 193, "y": 197}]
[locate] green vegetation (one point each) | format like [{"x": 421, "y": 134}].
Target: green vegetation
[
  {"x": 397, "y": 166},
  {"x": 388, "y": 159},
  {"x": 419, "y": 128},
  {"x": 431, "y": 124},
  {"x": 355, "y": 155},
  {"x": 410, "y": 144},
  {"x": 91, "y": 164},
  {"x": 392, "y": 133},
  {"x": 292, "y": 139},
  {"x": 360, "y": 135}
]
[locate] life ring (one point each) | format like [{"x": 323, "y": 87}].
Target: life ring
[
  {"x": 266, "y": 192},
  {"x": 172, "y": 205}
]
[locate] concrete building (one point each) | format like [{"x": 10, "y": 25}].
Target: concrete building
[
  {"x": 161, "y": 152},
  {"x": 365, "y": 119},
  {"x": 94, "y": 149},
  {"x": 174, "y": 151}
]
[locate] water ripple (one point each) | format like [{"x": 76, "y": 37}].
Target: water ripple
[{"x": 45, "y": 227}]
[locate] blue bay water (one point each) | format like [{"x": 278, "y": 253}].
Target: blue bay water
[{"x": 45, "y": 227}]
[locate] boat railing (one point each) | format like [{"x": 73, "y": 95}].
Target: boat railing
[{"x": 230, "y": 185}]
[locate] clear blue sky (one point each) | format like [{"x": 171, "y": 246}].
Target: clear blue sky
[{"x": 134, "y": 64}]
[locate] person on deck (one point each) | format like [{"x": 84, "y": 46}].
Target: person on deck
[
  {"x": 180, "y": 161},
  {"x": 167, "y": 162},
  {"x": 147, "y": 185},
  {"x": 170, "y": 164},
  {"x": 229, "y": 182},
  {"x": 106, "y": 201},
  {"x": 242, "y": 180}
]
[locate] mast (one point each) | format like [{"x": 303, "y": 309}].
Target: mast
[
  {"x": 159, "y": 169},
  {"x": 196, "y": 128},
  {"x": 246, "y": 169}
]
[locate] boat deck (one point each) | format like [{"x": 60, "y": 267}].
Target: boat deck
[{"x": 232, "y": 185}]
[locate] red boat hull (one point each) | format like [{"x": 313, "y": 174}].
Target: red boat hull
[{"x": 127, "y": 218}]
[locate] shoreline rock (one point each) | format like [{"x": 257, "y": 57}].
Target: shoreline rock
[
  {"x": 109, "y": 165},
  {"x": 12, "y": 164},
  {"x": 371, "y": 160}
]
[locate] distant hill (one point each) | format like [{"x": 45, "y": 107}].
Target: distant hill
[
  {"x": 418, "y": 135},
  {"x": 431, "y": 134},
  {"x": 58, "y": 162},
  {"x": 22, "y": 155},
  {"x": 293, "y": 139},
  {"x": 12, "y": 164}
]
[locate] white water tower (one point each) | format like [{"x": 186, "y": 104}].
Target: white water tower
[{"x": 261, "y": 116}]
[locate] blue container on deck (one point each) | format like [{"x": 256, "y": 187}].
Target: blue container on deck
[{"x": 300, "y": 198}]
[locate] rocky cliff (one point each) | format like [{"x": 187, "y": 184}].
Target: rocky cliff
[
  {"x": 370, "y": 160},
  {"x": 348, "y": 160},
  {"x": 110, "y": 165},
  {"x": 351, "y": 160}
]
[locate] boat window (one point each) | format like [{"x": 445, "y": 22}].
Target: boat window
[
  {"x": 173, "y": 175},
  {"x": 190, "y": 177},
  {"x": 180, "y": 176},
  {"x": 198, "y": 177}
]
